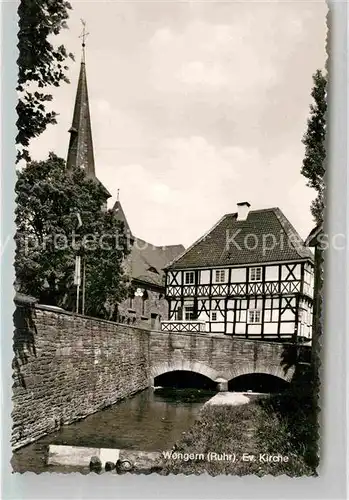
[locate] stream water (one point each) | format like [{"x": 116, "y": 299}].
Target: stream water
[{"x": 152, "y": 420}]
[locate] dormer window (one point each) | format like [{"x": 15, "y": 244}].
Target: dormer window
[
  {"x": 189, "y": 278},
  {"x": 153, "y": 270},
  {"x": 255, "y": 274},
  {"x": 220, "y": 275}
]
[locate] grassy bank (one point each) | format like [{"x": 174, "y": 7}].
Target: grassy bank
[{"x": 276, "y": 425}]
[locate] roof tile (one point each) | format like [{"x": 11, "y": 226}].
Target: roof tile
[{"x": 265, "y": 236}]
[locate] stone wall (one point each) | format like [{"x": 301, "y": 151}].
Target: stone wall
[
  {"x": 146, "y": 311},
  {"x": 68, "y": 366}
]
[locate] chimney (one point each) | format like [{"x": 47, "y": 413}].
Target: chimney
[{"x": 243, "y": 210}]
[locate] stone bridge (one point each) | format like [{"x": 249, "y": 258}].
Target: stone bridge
[
  {"x": 68, "y": 366},
  {"x": 220, "y": 358}
]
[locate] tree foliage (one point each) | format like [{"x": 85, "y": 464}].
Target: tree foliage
[
  {"x": 313, "y": 167},
  {"x": 40, "y": 65},
  {"x": 48, "y": 238}
]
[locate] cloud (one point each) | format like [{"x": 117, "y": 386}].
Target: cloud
[
  {"x": 161, "y": 38},
  {"x": 193, "y": 183},
  {"x": 225, "y": 55},
  {"x": 197, "y": 73}
]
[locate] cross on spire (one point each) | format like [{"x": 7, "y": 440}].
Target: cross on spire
[{"x": 83, "y": 35}]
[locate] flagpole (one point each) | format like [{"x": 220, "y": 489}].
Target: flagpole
[
  {"x": 77, "y": 298},
  {"x": 83, "y": 285},
  {"x": 77, "y": 274},
  {"x": 77, "y": 280}
]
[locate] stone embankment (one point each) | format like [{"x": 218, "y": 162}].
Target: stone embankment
[{"x": 68, "y": 366}]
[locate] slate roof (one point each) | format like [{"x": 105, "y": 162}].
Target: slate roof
[
  {"x": 269, "y": 225},
  {"x": 120, "y": 214},
  {"x": 146, "y": 261},
  {"x": 80, "y": 150}
]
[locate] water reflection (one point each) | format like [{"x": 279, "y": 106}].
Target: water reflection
[{"x": 152, "y": 420}]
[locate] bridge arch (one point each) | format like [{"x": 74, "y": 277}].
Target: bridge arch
[
  {"x": 183, "y": 365},
  {"x": 258, "y": 382},
  {"x": 250, "y": 368}
]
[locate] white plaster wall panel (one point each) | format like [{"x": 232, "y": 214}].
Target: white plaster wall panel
[
  {"x": 267, "y": 315},
  {"x": 238, "y": 275},
  {"x": 270, "y": 328},
  {"x": 288, "y": 315},
  {"x": 271, "y": 273},
  {"x": 240, "y": 327},
  {"x": 287, "y": 327},
  {"x": 204, "y": 277},
  {"x": 254, "y": 329}
]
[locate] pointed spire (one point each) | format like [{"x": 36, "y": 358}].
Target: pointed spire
[
  {"x": 80, "y": 151},
  {"x": 119, "y": 214}
]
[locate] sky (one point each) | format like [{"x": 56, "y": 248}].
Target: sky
[{"x": 195, "y": 106}]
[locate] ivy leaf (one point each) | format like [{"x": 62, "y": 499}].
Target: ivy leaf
[{"x": 39, "y": 65}]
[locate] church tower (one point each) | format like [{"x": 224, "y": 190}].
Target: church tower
[{"x": 80, "y": 150}]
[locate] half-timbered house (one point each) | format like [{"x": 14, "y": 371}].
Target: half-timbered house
[{"x": 250, "y": 276}]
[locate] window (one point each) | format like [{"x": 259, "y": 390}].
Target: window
[
  {"x": 220, "y": 276},
  {"x": 144, "y": 299},
  {"x": 255, "y": 274},
  {"x": 189, "y": 278},
  {"x": 188, "y": 313},
  {"x": 153, "y": 270},
  {"x": 179, "y": 314},
  {"x": 254, "y": 316},
  {"x": 213, "y": 316},
  {"x": 153, "y": 319}
]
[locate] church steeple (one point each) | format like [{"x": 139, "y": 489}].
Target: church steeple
[{"x": 80, "y": 151}]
